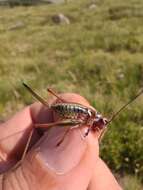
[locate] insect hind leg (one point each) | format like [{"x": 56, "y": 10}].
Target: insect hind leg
[
  {"x": 69, "y": 129},
  {"x": 65, "y": 134},
  {"x": 5, "y": 174},
  {"x": 37, "y": 96}
]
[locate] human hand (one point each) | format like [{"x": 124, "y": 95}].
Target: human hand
[{"x": 74, "y": 165}]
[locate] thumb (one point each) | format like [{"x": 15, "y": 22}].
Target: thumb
[{"x": 52, "y": 167}]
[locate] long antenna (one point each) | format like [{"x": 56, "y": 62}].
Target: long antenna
[
  {"x": 123, "y": 107},
  {"x": 37, "y": 96}
]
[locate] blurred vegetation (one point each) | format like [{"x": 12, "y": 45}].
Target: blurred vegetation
[
  {"x": 130, "y": 183},
  {"x": 98, "y": 55}
]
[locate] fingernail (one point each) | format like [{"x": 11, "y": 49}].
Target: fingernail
[{"x": 63, "y": 158}]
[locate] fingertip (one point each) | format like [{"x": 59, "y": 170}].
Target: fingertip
[
  {"x": 63, "y": 158},
  {"x": 40, "y": 113}
]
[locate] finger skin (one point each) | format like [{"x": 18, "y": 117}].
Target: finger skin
[
  {"x": 64, "y": 181},
  {"x": 39, "y": 176},
  {"x": 34, "y": 173},
  {"x": 11, "y": 142},
  {"x": 14, "y": 132},
  {"x": 103, "y": 178},
  {"x": 18, "y": 127}
]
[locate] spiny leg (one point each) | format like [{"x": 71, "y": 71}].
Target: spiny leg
[
  {"x": 89, "y": 129},
  {"x": 70, "y": 128},
  {"x": 27, "y": 144},
  {"x": 5, "y": 138},
  {"x": 67, "y": 123},
  {"x": 65, "y": 134},
  {"x": 58, "y": 123},
  {"x": 24, "y": 152},
  {"x": 19, "y": 162}
]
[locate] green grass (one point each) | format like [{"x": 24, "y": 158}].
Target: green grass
[
  {"x": 99, "y": 55},
  {"x": 130, "y": 183}
]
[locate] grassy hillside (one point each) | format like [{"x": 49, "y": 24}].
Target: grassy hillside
[{"x": 99, "y": 55}]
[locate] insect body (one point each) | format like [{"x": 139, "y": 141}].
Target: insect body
[
  {"x": 72, "y": 114},
  {"x": 69, "y": 110},
  {"x": 75, "y": 114},
  {"x": 80, "y": 113},
  {"x": 73, "y": 111}
]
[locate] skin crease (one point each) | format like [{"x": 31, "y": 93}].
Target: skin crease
[{"x": 75, "y": 164}]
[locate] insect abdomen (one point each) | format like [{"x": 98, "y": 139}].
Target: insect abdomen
[{"x": 69, "y": 110}]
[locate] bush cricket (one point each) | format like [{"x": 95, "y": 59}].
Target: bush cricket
[
  {"x": 76, "y": 115},
  {"x": 73, "y": 115}
]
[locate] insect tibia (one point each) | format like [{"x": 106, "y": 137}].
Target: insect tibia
[
  {"x": 37, "y": 96},
  {"x": 58, "y": 144}
]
